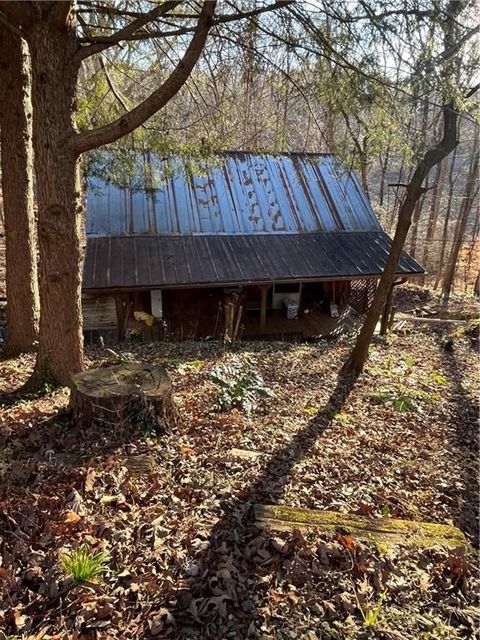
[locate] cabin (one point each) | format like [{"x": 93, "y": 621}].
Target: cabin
[{"x": 235, "y": 246}]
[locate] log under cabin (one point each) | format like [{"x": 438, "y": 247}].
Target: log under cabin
[{"x": 240, "y": 245}]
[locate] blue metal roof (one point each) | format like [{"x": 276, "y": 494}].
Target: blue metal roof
[{"x": 234, "y": 193}]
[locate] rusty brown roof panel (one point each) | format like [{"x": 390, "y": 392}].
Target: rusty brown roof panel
[{"x": 115, "y": 262}]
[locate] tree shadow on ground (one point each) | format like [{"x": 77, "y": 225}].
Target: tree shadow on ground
[
  {"x": 228, "y": 549},
  {"x": 464, "y": 418}
]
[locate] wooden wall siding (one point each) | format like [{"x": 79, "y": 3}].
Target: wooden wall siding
[{"x": 99, "y": 311}]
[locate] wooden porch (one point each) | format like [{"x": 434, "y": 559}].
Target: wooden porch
[{"x": 277, "y": 326}]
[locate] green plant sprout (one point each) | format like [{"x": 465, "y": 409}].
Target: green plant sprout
[{"x": 84, "y": 564}]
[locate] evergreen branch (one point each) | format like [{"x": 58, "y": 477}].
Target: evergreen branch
[
  {"x": 98, "y": 43},
  {"x": 129, "y": 121}
]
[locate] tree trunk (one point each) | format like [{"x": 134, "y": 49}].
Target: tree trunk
[
  {"x": 476, "y": 286},
  {"x": 60, "y": 209},
  {"x": 422, "y": 141},
  {"x": 354, "y": 365},
  {"x": 383, "y": 174},
  {"x": 417, "y": 213},
  {"x": 433, "y": 216},
  {"x": 123, "y": 396},
  {"x": 469, "y": 196},
  {"x": 472, "y": 250},
  {"x": 17, "y": 188},
  {"x": 414, "y": 190},
  {"x": 443, "y": 249},
  {"x": 355, "y": 362}
]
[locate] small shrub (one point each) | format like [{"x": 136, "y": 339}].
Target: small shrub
[
  {"x": 240, "y": 384},
  {"x": 84, "y": 564}
]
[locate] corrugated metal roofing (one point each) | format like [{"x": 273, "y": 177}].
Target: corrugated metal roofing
[
  {"x": 234, "y": 193},
  {"x": 169, "y": 261}
]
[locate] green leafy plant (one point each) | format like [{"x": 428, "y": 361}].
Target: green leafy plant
[
  {"x": 343, "y": 418},
  {"x": 192, "y": 365},
  {"x": 84, "y": 564},
  {"x": 437, "y": 378},
  {"x": 410, "y": 362},
  {"x": 240, "y": 384},
  {"x": 403, "y": 399},
  {"x": 386, "y": 511},
  {"x": 371, "y": 616},
  {"x": 400, "y": 401}
]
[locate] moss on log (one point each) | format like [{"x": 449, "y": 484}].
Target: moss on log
[
  {"x": 128, "y": 394},
  {"x": 419, "y": 534}
]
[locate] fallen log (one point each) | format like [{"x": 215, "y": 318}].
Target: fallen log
[
  {"x": 407, "y": 532},
  {"x": 128, "y": 394}
]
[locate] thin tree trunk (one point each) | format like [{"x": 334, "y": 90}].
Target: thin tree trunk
[
  {"x": 472, "y": 250},
  {"x": 417, "y": 212},
  {"x": 402, "y": 176},
  {"x": 419, "y": 204},
  {"x": 443, "y": 249},
  {"x": 433, "y": 215},
  {"x": 469, "y": 196},
  {"x": 60, "y": 206},
  {"x": 383, "y": 174},
  {"x": 354, "y": 365},
  {"x": 17, "y": 188}
]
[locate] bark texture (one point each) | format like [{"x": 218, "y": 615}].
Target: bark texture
[
  {"x": 17, "y": 189},
  {"x": 56, "y": 57},
  {"x": 354, "y": 364},
  {"x": 60, "y": 209},
  {"x": 123, "y": 396}
]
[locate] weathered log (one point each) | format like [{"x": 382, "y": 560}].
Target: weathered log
[
  {"x": 124, "y": 395},
  {"x": 406, "y": 532}
]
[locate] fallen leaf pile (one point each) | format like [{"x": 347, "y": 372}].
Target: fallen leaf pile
[{"x": 173, "y": 510}]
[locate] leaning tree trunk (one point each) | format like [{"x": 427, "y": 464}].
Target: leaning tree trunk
[
  {"x": 414, "y": 190},
  {"x": 60, "y": 208},
  {"x": 17, "y": 189}
]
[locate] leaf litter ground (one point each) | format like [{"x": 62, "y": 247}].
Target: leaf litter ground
[{"x": 173, "y": 511}]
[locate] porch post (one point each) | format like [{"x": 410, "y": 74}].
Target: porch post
[{"x": 263, "y": 305}]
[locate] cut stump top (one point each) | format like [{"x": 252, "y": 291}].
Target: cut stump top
[{"x": 123, "y": 380}]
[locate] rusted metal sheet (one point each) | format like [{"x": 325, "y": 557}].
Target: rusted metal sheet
[
  {"x": 181, "y": 261},
  {"x": 233, "y": 193}
]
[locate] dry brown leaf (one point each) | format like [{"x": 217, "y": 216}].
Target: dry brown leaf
[{"x": 71, "y": 517}]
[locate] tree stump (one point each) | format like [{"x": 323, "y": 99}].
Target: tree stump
[{"x": 124, "y": 395}]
